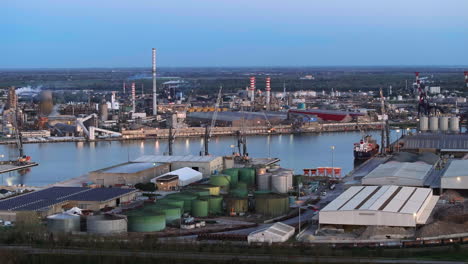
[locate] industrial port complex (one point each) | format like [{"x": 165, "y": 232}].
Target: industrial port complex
[{"x": 405, "y": 193}]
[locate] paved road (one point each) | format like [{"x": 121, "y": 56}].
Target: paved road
[{"x": 217, "y": 256}]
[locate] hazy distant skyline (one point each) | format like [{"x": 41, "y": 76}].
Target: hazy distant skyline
[{"x": 216, "y": 33}]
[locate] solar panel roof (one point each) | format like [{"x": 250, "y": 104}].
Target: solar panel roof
[{"x": 37, "y": 200}]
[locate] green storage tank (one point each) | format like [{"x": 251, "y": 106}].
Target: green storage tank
[
  {"x": 271, "y": 204},
  {"x": 215, "y": 205},
  {"x": 236, "y": 204},
  {"x": 239, "y": 192},
  {"x": 221, "y": 180},
  {"x": 234, "y": 174},
  {"x": 199, "y": 191},
  {"x": 247, "y": 175},
  {"x": 141, "y": 221},
  {"x": 187, "y": 198},
  {"x": 172, "y": 213},
  {"x": 200, "y": 208},
  {"x": 172, "y": 202}
]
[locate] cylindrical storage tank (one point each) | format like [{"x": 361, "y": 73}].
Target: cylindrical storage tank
[
  {"x": 172, "y": 213},
  {"x": 215, "y": 205},
  {"x": 279, "y": 184},
  {"x": 200, "y": 191},
  {"x": 454, "y": 124},
  {"x": 239, "y": 192},
  {"x": 63, "y": 223},
  {"x": 187, "y": 198},
  {"x": 213, "y": 190},
  {"x": 264, "y": 182},
  {"x": 46, "y": 104},
  {"x": 247, "y": 175},
  {"x": 433, "y": 123},
  {"x": 234, "y": 173},
  {"x": 103, "y": 111},
  {"x": 271, "y": 204},
  {"x": 106, "y": 224},
  {"x": 200, "y": 208},
  {"x": 444, "y": 123},
  {"x": 236, "y": 205},
  {"x": 140, "y": 221},
  {"x": 171, "y": 202},
  {"x": 423, "y": 123},
  {"x": 221, "y": 180}
]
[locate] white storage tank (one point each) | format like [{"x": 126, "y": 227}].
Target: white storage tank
[
  {"x": 433, "y": 123},
  {"x": 423, "y": 123},
  {"x": 279, "y": 184},
  {"x": 454, "y": 124},
  {"x": 444, "y": 123},
  {"x": 106, "y": 224},
  {"x": 264, "y": 182},
  {"x": 63, "y": 223}
]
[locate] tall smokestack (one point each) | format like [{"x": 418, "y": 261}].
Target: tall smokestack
[
  {"x": 155, "y": 105},
  {"x": 418, "y": 84},
  {"x": 268, "y": 89},
  {"x": 252, "y": 88},
  {"x": 466, "y": 79},
  {"x": 124, "y": 86},
  {"x": 133, "y": 98}
]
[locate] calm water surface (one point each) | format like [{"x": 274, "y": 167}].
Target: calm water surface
[{"x": 62, "y": 161}]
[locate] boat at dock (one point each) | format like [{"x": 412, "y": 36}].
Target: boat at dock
[{"x": 366, "y": 148}]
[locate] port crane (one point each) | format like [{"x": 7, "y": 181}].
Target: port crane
[
  {"x": 209, "y": 130},
  {"x": 171, "y": 134}
]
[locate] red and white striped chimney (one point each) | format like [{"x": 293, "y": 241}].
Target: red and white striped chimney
[
  {"x": 252, "y": 88},
  {"x": 268, "y": 89},
  {"x": 418, "y": 84},
  {"x": 133, "y": 98},
  {"x": 466, "y": 79}
]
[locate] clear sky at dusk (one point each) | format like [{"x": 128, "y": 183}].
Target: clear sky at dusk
[{"x": 121, "y": 33}]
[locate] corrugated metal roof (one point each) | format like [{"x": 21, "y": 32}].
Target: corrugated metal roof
[
  {"x": 436, "y": 141},
  {"x": 409, "y": 170},
  {"x": 407, "y": 200},
  {"x": 130, "y": 167},
  {"x": 169, "y": 159},
  {"x": 457, "y": 168}
]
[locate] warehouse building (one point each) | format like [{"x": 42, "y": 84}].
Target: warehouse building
[
  {"x": 129, "y": 173},
  {"x": 207, "y": 165},
  {"x": 456, "y": 175},
  {"x": 456, "y": 144},
  {"x": 403, "y": 169},
  {"x": 380, "y": 206},
  {"x": 56, "y": 199},
  {"x": 238, "y": 119},
  {"x": 276, "y": 233}
]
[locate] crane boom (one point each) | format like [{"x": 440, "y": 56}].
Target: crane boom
[{"x": 209, "y": 130}]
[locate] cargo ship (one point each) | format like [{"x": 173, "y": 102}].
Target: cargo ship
[{"x": 366, "y": 148}]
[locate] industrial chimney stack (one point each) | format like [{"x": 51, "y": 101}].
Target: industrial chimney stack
[
  {"x": 133, "y": 98},
  {"x": 252, "y": 88},
  {"x": 268, "y": 89},
  {"x": 155, "y": 105},
  {"x": 124, "y": 86},
  {"x": 418, "y": 84}
]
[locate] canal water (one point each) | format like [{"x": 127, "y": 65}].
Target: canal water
[{"x": 62, "y": 161}]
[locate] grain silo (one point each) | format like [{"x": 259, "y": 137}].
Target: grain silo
[
  {"x": 46, "y": 103},
  {"x": 103, "y": 111},
  {"x": 271, "y": 204},
  {"x": 454, "y": 124},
  {"x": 264, "y": 182},
  {"x": 106, "y": 224},
  {"x": 444, "y": 123},
  {"x": 279, "y": 183},
  {"x": 63, "y": 223},
  {"x": 423, "y": 123},
  {"x": 433, "y": 123}
]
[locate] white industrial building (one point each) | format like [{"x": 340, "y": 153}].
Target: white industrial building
[
  {"x": 207, "y": 165},
  {"x": 186, "y": 176},
  {"x": 398, "y": 173},
  {"x": 276, "y": 233},
  {"x": 456, "y": 175},
  {"x": 380, "y": 206}
]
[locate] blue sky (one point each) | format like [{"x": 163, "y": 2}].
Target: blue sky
[{"x": 121, "y": 33}]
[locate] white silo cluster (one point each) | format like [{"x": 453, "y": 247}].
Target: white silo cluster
[
  {"x": 442, "y": 124},
  {"x": 275, "y": 180}
]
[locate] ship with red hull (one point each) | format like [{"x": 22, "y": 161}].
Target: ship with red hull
[{"x": 366, "y": 148}]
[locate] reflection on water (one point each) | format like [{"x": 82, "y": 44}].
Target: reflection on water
[{"x": 61, "y": 161}]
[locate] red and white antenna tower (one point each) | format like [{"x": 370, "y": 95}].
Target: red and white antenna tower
[
  {"x": 268, "y": 89},
  {"x": 252, "y": 88}
]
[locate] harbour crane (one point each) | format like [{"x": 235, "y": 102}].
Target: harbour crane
[
  {"x": 172, "y": 134},
  {"x": 209, "y": 130}
]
